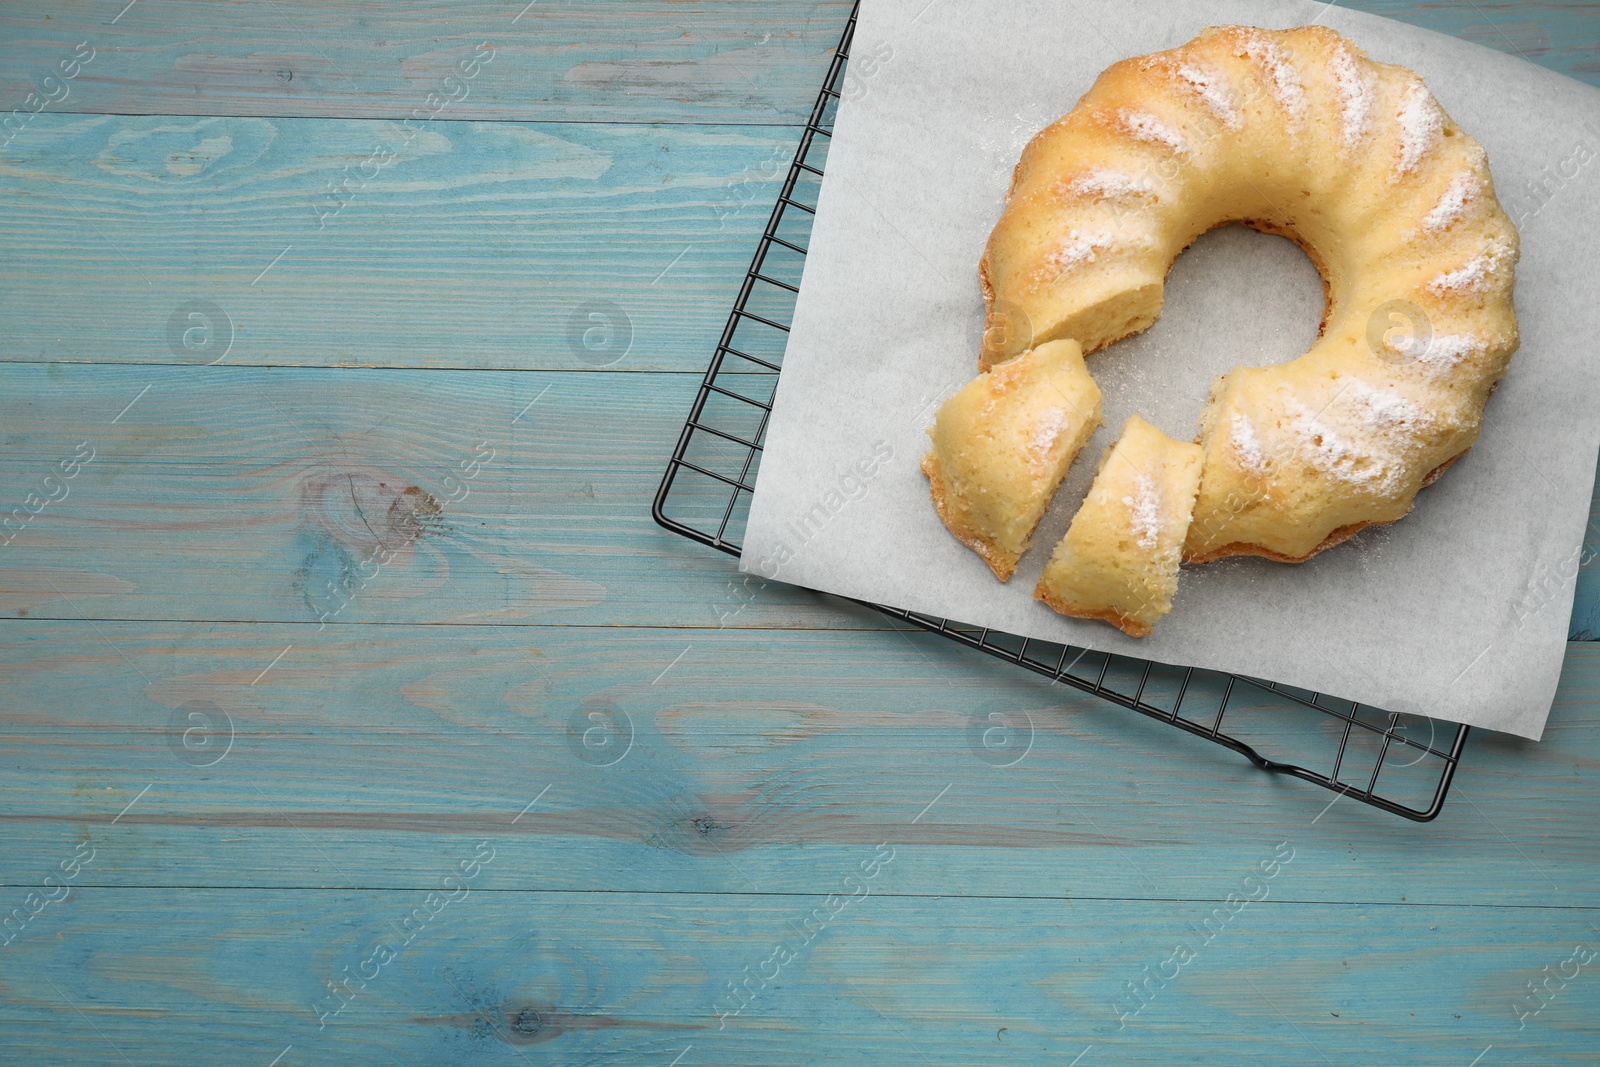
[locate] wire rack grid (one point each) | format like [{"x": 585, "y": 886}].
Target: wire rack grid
[{"x": 709, "y": 482}]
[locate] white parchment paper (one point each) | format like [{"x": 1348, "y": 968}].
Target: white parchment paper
[{"x": 1459, "y": 611}]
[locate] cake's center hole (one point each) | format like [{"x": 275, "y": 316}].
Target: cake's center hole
[{"x": 1237, "y": 297}]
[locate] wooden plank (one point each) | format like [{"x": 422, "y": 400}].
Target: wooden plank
[
  {"x": 614, "y": 758},
  {"x": 376, "y": 496},
  {"x": 479, "y": 972},
  {"x": 300, "y": 241},
  {"x": 754, "y": 61},
  {"x": 227, "y": 493}
]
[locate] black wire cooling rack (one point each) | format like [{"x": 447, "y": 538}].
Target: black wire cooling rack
[{"x": 706, "y": 492}]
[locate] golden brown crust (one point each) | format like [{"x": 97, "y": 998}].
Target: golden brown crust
[
  {"x": 1337, "y": 537},
  {"x": 987, "y": 289},
  {"x": 1239, "y": 548},
  {"x": 1128, "y": 626},
  {"x": 999, "y": 561},
  {"x": 1434, "y": 475}
]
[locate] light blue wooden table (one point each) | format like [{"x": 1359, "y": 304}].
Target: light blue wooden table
[{"x": 354, "y": 711}]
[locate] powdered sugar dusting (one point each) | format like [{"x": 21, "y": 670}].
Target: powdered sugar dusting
[
  {"x": 1146, "y": 127},
  {"x": 1246, "y": 445},
  {"x": 1355, "y": 83},
  {"x": 1046, "y": 432},
  {"x": 1377, "y": 434},
  {"x": 1478, "y": 272},
  {"x": 1077, "y": 248},
  {"x": 1421, "y": 121},
  {"x": 1452, "y": 205},
  {"x": 1446, "y": 350},
  {"x": 1213, "y": 92},
  {"x": 1331, "y": 453},
  {"x": 1144, "y": 510},
  {"x": 1383, "y": 411},
  {"x": 1103, "y": 182},
  {"x": 1283, "y": 81}
]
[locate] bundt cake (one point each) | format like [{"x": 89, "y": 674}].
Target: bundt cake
[
  {"x": 1295, "y": 132},
  {"x": 1119, "y": 559}
]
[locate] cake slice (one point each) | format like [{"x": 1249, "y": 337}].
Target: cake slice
[
  {"x": 1119, "y": 559},
  {"x": 1002, "y": 445}
]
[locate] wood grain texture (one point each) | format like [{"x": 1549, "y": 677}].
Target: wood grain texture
[
  {"x": 750, "y": 61},
  {"x": 723, "y": 762},
  {"x": 496, "y": 977},
  {"x": 364, "y": 243},
  {"x": 360, "y": 497}
]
